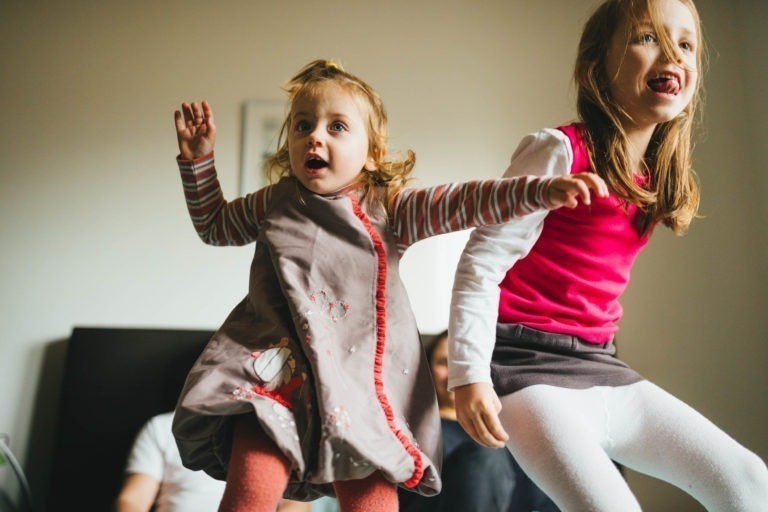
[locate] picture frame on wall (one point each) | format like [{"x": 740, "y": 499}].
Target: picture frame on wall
[{"x": 260, "y": 128}]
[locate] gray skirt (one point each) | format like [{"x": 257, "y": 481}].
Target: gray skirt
[{"x": 524, "y": 357}]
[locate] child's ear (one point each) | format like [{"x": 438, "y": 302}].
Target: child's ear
[{"x": 370, "y": 164}]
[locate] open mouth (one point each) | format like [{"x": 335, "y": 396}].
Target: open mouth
[
  {"x": 315, "y": 164},
  {"x": 667, "y": 84}
]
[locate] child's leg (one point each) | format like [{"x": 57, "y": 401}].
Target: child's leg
[
  {"x": 257, "y": 473},
  {"x": 373, "y": 493},
  {"x": 556, "y": 436},
  {"x": 657, "y": 434}
]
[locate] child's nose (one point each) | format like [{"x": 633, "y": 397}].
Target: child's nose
[
  {"x": 314, "y": 139},
  {"x": 677, "y": 57}
]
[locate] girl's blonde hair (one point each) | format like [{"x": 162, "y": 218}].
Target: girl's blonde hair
[
  {"x": 391, "y": 174},
  {"x": 671, "y": 195}
]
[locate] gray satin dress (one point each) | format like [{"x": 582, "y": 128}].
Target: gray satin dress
[{"x": 324, "y": 351}]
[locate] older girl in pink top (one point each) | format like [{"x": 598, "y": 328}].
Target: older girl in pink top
[{"x": 545, "y": 288}]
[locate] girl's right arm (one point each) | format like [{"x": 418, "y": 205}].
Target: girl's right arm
[
  {"x": 488, "y": 255},
  {"x": 216, "y": 221}
]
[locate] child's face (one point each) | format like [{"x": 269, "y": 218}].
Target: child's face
[
  {"x": 439, "y": 366},
  {"x": 649, "y": 87},
  {"x": 328, "y": 138}
]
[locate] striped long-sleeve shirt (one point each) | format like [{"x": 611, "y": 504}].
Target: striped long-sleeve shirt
[{"x": 414, "y": 213}]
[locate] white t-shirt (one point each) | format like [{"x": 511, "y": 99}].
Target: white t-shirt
[{"x": 154, "y": 453}]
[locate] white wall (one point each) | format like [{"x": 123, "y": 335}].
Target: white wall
[{"x": 95, "y": 231}]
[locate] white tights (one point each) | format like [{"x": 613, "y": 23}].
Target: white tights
[{"x": 565, "y": 440}]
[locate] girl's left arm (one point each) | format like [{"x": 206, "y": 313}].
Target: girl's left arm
[{"x": 420, "y": 213}]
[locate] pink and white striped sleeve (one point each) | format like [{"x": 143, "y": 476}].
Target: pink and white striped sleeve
[
  {"x": 217, "y": 221},
  {"x": 420, "y": 213}
]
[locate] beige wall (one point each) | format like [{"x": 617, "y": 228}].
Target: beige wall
[{"x": 94, "y": 230}]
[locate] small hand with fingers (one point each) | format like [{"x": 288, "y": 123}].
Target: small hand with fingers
[
  {"x": 477, "y": 409},
  {"x": 195, "y": 130},
  {"x": 569, "y": 190}
]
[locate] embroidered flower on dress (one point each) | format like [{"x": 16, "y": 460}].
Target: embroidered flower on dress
[
  {"x": 241, "y": 393},
  {"x": 338, "y": 420},
  {"x": 333, "y": 308},
  {"x": 284, "y": 418}
]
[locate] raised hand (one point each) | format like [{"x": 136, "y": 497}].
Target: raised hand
[
  {"x": 477, "y": 409},
  {"x": 569, "y": 190},
  {"x": 195, "y": 130}
]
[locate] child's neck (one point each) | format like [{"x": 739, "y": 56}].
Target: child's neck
[{"x": 639, "y": 138}]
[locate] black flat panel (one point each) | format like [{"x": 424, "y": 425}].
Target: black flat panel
[{"x": 114, "y": 380}]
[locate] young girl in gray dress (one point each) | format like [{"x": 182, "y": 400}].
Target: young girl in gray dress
[{"x": 317, "y": 383}]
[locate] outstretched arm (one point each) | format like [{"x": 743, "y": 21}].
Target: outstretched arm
[{"x": 420, "y": 213}]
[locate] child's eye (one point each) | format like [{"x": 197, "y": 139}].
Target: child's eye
[
  {"x": 686, "y": 46},
  {"x": 647, "y": 38},
  {"x": 338, "y": 127},
  {"x": 301, "y": 126}
]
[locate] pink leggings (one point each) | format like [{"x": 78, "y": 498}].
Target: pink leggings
[{"x": 258, "y": 473}]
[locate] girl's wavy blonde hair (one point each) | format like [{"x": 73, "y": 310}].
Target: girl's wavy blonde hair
[
  {"x": 671, "y": 195},
  {"x": 390, "y": 174}
]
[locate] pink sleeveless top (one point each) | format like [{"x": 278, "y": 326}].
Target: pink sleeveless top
[{"x": 571, "y": 280}]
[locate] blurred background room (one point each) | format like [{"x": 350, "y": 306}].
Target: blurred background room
[{"x": 95, "y": 231}]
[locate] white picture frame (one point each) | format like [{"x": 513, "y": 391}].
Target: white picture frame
[{"x": 260, "y": 128}]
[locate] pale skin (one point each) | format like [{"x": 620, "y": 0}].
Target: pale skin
[
  {"x": 138, "y": 493},
  {"x": 196, "y": 134},
  {"x": 631, "y": 69},
  {"x": 195, "y": 130}
]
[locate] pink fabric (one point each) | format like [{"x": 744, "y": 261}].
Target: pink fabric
[
  {"x": 254, "y": 455},
  {"x": 571, "y": 280},
  {"x": 371, "y": 493}
]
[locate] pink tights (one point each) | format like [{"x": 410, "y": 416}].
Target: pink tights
[{"x": 258, "y": 473}]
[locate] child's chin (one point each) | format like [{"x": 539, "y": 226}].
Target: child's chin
[{"x": 314, "y": 185}]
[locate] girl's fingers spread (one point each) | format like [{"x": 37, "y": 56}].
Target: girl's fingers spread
[
  {"x": 186, "y": 108},
  {"x": 179, "y": 121},
  {"x": 207, "y": 110},
  {"x": 197, "y": 112}
]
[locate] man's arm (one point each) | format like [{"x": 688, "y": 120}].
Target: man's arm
[{"x": 137, "y": 494}]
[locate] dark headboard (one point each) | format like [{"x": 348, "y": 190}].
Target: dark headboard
[{"x": 114, "y": 380}]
